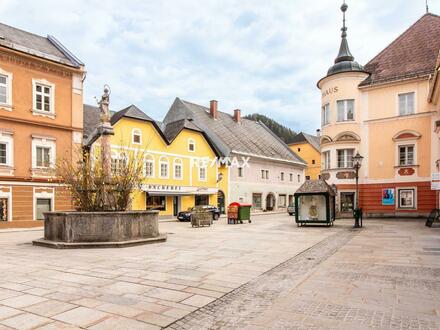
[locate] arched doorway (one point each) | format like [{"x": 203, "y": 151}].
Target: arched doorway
[
  {"x": 221, "y": 201},
  {"x": 270, "y": 202}
]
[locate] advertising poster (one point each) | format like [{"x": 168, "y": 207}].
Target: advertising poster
[{"x": 388, "y": 196}]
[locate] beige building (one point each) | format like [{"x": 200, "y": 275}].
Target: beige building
[
  {"x": 40, "y": 123},
  {"x": 388, "y": 111}
]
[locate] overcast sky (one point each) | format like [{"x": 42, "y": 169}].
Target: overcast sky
[{"x": 256, "y": 55}]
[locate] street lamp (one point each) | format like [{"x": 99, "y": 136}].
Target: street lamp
[{"x": 357, "y": 163}]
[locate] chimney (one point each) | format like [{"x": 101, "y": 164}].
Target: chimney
[
  {"x": 213, "y": 109},
  {"x": 237, "y": 115},
  {"x": 318, "y": 132}
]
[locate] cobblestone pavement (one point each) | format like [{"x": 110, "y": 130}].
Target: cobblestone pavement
[{"x": 269, "y": 274}]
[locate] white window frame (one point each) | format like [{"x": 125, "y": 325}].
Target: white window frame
[
  {"x": 46, "y": 195},
  {"x": 149, "y": 159},
  {"x": 327, "y": 160},
  {"x": 406, "y": 146},
  {"x": 44, "y": 142},
  {"x": 203, "y": 169},
  {"x": 240, "y": 172},
  {"x": 325, "y": 114},
  {"x": 43, "y": 83},
  {"x": 282, "y": 176},
  {"x": 178, "y": 163},
  {"x": 164, "y": 161},
  {"x": 345, "y": 117},
  {"x": 8, "y": 104},
  {"x": 399, "y": 206},
  {"x": 299, "y": 178},
  {"x": 291, "y": 177},
  {"x": 347, "y": 159},
  {"x": 406, "y": 104},
  {"x": 191, "y": 142},
  {"x": 8, "y": 196},
  {"x": 264, "y": 174},
  {"x": 134, "y": 132},
  {"x": 8, "y": 139}
]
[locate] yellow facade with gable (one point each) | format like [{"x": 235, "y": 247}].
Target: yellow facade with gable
[{"x": 178, "y": 174}]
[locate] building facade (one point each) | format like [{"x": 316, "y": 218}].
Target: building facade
[
  {"x": 179, "y": 162},
  {"x": 307, "y": 147},
  {"x": 41, "y": 122},
  {"x": 263, "y": 170},
  {"x": 384, "y": 112}
]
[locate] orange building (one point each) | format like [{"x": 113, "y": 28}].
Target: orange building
[
  {"x": 388, "y": 112},
  {"x": 41, "y": 86},
  {"x": 307, "y": 147}
]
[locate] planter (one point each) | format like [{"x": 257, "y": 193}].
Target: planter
[{"x": 100, "y": 229}]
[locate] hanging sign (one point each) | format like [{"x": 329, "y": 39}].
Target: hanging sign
[
  {"x": 388, "y": 196},
  {"x": 435, "y": 181}
]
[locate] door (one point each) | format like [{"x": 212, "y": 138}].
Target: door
[
  {"x": 221, "y": 201},
  {"x": 347, "y": 202},
  {"x": 176, "y": 205}
]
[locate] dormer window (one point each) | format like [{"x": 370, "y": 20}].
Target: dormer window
[
  {"x": 191, "y": 145},
  {"x": 136, "y": 136}
]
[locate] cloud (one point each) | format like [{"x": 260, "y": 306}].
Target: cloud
[{"x": 256, "y": 55}]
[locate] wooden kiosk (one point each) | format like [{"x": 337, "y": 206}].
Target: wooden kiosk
[{"x": 315, "y": 203}]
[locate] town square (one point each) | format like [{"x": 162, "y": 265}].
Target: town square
[{"x": 252, "y": 165}]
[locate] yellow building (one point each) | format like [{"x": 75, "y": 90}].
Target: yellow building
[
  {"x": 307, "y": 147},
  {"x": 179, "y": 160}
]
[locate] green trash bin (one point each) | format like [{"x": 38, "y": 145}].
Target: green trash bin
[{"x": 244, "y": 212}]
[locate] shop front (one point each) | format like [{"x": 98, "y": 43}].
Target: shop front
[{"x": 171, "y": 199}]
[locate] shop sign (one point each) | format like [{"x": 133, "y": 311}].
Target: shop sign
[
  {"x": 388, "y": 196},
  {"x": 161, "y": 187},
  {"x": 435, "y": 181},
  {"x": 345, "y": 175}
]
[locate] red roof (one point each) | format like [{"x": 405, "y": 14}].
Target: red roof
[{"x": 412, "y": 54}]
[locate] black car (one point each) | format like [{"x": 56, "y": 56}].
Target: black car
[{"x": 186, "y": 215}]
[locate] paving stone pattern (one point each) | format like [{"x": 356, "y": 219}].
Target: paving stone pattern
[{"x": 239, "y": 307}]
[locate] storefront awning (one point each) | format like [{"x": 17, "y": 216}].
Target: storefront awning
[{"x": 167, "y": 190}]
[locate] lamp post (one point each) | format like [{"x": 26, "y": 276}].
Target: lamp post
[{"x": 357, "y": 163}]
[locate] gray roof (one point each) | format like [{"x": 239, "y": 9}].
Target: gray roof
[
  {"x": 131, "y": 111},
  {"x": 171, "y": 130},
  {"x": 302, "y": 137},
  {"x": 48, "y": 47},
  {"x": 314, "y": 187},
  {"x": 91, "y": 119},
  {"x": 248, "y": 137}
]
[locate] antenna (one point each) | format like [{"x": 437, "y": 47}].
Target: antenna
[{"x": 427, "y": 7}]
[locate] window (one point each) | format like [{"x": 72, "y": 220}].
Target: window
[
  {"x": 136, "y": 136},
  {"x": 4, "y": 208},
  {"x": 240, "y": 172},
  {"x": 299, "y": 149},
  {"x": 149, "y": 166},
  {"x": 406, "y": 155},
  {"x": 325, "y": 114},
  {"x": 202, "y": 173},
  {"x": 256, "y": 201},
  {"x": 307, "y": 177},
  {"x": 43, "y": 152},
  {"x": 407, "y": 198},
  {"x": 43, "y": 98},
  {"x": 282, "y": 176},
  {"x": 201, "y": 200},
  {"x": 163, "y": 164},
  {"x": 345, "y": 158},
  {"x": 291, "y": 177},
  {"x": 3, "y": 89},
  {"x": 282, "y": 201},
  {"x": 326, "y": 160},
  {"x": 43, "y": 156},
  {"x": 42, "y": 205},
  {"x": 156, "y": 203},
  {"x": 313, "y": 162},
  {"x": 191, "y": 145},
  {"x": 345, "y": 110},
  {"x": 178, "y": 169},
  {"x": 406, "y": 104},
  {"x": 3, "y": 153},
  {"x": 265, "y": 174},
  {"x": 118, "y": 162},
  {"x": 299, "y": 177},
  {"x": 262, "y": 174}
]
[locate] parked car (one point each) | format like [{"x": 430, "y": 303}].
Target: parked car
[
  {"x": 291, "y": 209},
  {"x": 186, "y": 215}
]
